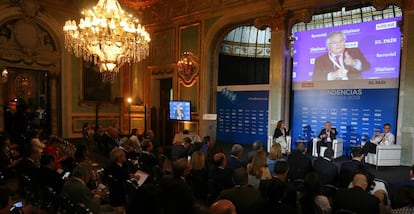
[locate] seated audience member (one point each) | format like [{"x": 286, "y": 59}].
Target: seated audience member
[
  {"x": 49, "y": 177},
  {"x": 220, "y": 177},
  {"x": 279, "y": 136},
  {"x": 133, "y": 138},
  {"x": 246, "y": 198},
  {"x": 258, "y": 170},
  {"x": 181, "y": 150},
  {"x": 147, "y": 159},
  {"x": 76, "y": 191},
  {"x": 256, "y": 146},
  {"x": 385, "y": 138},
  {"x": 326, "y": 169},
  {"x": 235, "y": 159},
  {"x": 6, "y": 161},
  {"x": 326, "y": 136},
  {"x": 274, "y": 156},
  {"x": 279, "y": 194},
  {"x": 29, "y": 165},
  {"x": 299, "y": 163},
  {"x": 176, "y": 193},
  {"x": 198, "y": 176},
  {"x": 403, "y": 200},
  {"x": 51, "y": 148},
  {"x": 117, "y": 174},
  {"x": 312, "y": 201},
  {"x": 348, "y": 168},
  {"x": 212, "y": 150},
  {"x": 223, "y": 206},
  {"x": 407, "y": 182},
  {"x": 356, "y": 199}
]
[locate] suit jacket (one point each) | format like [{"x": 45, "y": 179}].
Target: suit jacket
[
  {"x": 245, "y": 198},
  {"x": 327, "y": 171},
  {"x": 299, "y": 165},
  {"x": 234, "y": 163},
  {"x": 177, "y": 152},
  {"x": 177, "y": 196},
  {"x": 357, "y": 200},
  {"x": 77, "y": 192},
  {"x": 323, "y": 66},
  {"x": 116, "y": 183},
  {"x": 332, "y": 134},
  {"x": 346, "y": 172}
]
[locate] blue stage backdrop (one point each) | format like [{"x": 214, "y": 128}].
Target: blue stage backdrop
[
  {"x": 242, "y": 116},
  {"x": 355, "y": 113}
]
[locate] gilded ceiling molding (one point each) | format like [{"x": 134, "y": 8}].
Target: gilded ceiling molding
[
  {"x": 283, "y": 20},
  {"x": 383, "y": 4}
]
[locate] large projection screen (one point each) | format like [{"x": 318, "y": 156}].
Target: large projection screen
[{"x": 363, "y": 97}]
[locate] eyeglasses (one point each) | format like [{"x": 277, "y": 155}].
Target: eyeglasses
[{"x": 337, "y": 42}]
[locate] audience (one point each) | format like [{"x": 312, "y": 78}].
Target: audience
[
  {"x": 326, "y": 169},
  {"x": 220, "y": 177},
  {"x": 274, "y": 156},
  {"x": 256, "y": 146},
  {"x": 312, "y": 201},
  {"x": 246, "y": 198},
  {"x": 299, "y": 163},
  {"x": 348, "y": 168},
  {"x": 176, "y": 193},
  {"x": 257, "y": 169},
  {"x": 356, "y": 199},
  {"x": 267, "y": 183},
  {"x": 75, "y": 188},
  {"x": 181, "y": 150},
  {"x": 235, "y": 159}
]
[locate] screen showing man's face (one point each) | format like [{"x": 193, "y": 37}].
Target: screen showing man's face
[{"x": 336, "y": 44}]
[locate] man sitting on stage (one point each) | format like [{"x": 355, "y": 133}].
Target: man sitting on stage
[
  {"x": 326, "y": 136},
  {"x": 386, "y": 138}
]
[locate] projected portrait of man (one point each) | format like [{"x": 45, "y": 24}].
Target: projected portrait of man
[
  {"x": 179, "y": 113},
  {"x": 339, "y": 63}
]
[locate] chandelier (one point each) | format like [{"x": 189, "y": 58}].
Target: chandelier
[{"x": 108, "y": 37}]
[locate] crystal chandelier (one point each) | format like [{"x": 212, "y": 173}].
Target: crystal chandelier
[{"x": 107, "y": 36}]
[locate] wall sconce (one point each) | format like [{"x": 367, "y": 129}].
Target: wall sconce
[{"x": 4, "y": 75}]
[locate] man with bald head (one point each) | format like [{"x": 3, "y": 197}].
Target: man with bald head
[
  {"x": 223, "y": 207},
  {"x": 356, "y": 199}
]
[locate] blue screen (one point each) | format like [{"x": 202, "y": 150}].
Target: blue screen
[{"x": 180, "y": 110}]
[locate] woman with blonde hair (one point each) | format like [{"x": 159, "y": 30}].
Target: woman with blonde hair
[
  {"x": 274, "y": 156},
  {"x": 258, "y": 170}
]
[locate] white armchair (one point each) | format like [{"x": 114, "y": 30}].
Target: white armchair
[
  {"x": 386, "y": 156},
  {"x": 337, "y": 146},
  {"x": 288, "y": 145}
]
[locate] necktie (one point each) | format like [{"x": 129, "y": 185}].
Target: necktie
[{"x": 337, "y": 59}]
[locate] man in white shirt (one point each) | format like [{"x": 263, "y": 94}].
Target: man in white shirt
[{"x": 386, "y": 138}]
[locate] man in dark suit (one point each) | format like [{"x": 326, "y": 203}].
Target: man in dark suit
[
  {"x": 147, "y": 159},
  {"x": 246, "y": 198},
  {"x": 326, "y": 169},
  {"x": 349, "y": 167},
  {"x": 77, "y": 192},
  {"x": 299, "y": 163},
  {"x": 181, "y": 150},
  {"x": 177, "y": 196},
  {"x": 278, "y": 193},
  {"x": 339, "y": 63},
  {"x": 356, "y": 199},
  {"x": 326, "y": 136},
  {"x": 234, "y": 161}
]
